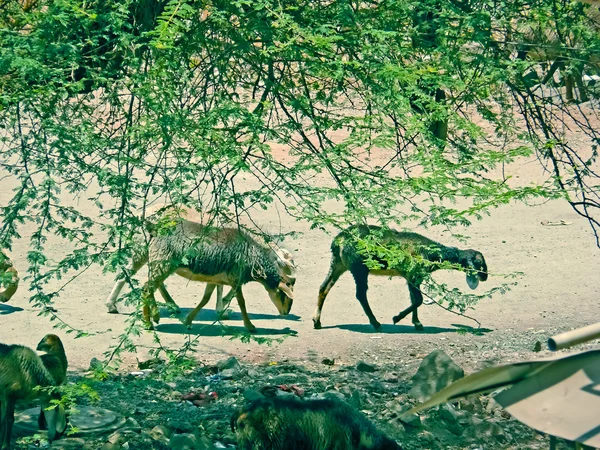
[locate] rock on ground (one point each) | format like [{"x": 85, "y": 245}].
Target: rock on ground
[{"x": 437, "y": 370}]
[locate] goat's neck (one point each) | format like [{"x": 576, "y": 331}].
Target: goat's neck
[{"x": 451, "y": 254}]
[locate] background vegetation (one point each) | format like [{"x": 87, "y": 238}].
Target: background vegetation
[{"x": 128, "y": 102}]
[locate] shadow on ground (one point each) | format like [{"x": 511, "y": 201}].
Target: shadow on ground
[
  {"x": 409, "y": 329},
  {"x": 210, "y": 315},
  {"x": 8, "y": 309},
  {"x": 220, "y": 330}
]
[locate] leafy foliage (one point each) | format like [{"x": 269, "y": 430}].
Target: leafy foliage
[{"x": 124, "y": 103}]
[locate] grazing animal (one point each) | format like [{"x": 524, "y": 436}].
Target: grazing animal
[
  {"x": 290, "y": 424},
  {"x": 216, "y": 255},
  {"x": 423, "y": 257},
  {"x": 21, "y": 372},
  {"x": 139, "y": 260},
  {"x": 172, "y": 214},
  {"x": 9, "y": 278}
]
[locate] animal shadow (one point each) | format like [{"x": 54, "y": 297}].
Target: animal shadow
[
  {"x": 8, "y": 309},
  {"x": 400, "y": 329},
  {"x": 213, "y": 330},
  {"x": 210, "y": 315}
]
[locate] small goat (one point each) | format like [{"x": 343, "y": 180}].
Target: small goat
[
  {"x": 9, "y": 277},
  {"x": 171, "y": 214},
  {"x": 139, "y": 260},
  {"x": 217, "y": 256},
  {"x": 21, "y": 372},
  {"x": 290, "y": 424},
  {"x": 423, "y": 257}
]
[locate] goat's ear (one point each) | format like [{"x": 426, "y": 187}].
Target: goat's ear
[{"x": 286, "y": 290}]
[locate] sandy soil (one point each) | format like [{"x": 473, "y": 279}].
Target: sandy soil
[{"x": 558, "y": 291}]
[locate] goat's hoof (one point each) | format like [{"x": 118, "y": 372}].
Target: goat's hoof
[
  {"x": 251, "y": 329},
  {"x": 376, "y": 325},
  {"x": 148, "y": 326},
  {"x": 175, "y": 311},
  {"x": 317, "y": 324},
  {"x": 396, "y": 319},
  {"x": 418, "y": 326},
  {"x": 113, "y": 310}
]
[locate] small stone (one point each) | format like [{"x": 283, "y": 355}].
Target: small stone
[
  {"x": 437, "y": 370},
  {"x": 175, "y": 395},
  {"x": 131, "y": 424},
  {"x": 229, "y": 363},
  {"x": 328, "y": 362},
  {"x": 391, "y": 378},
  {"x": 116, "y": 438},
  {"x": 160, "y": 430},
  {"x": 362, "y": 366},
  {"x": 229, "y": 374},
  {"x": 537, "y": 347},
  {"x": 413, "y": 420},
  {"x": 448, "y": 413}
]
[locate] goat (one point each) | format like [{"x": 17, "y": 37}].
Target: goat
[
  {"x": 153, "y": 215},
  {"x": 9, "y": 277},
  {"x": 140, "y": 259},
  {"x": 290, "y": 424},
  {"x": 423, "y": 257},
  {"x": 217, "y": 256},
  {"x": 22, "y": 371}
]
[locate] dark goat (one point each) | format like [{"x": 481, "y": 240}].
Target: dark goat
[
  {"x": 423, "y": 257},
  {"x": 215, "y": 255},
  {"x": 21, "y": 372},
  {"x": 289, "y": 424}
]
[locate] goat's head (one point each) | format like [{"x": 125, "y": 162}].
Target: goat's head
[
  {"x": 474, "y": 262},
  {"x": 50, "y": 344},
  {"x": 283, "y": 295}
]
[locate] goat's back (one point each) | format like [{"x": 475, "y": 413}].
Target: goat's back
[
  {"x": 212, "y": 251},
  {"x": 21, "y": 370},
  {"x": 345, "y": 245},
  {"x": 280, "y": 424}
]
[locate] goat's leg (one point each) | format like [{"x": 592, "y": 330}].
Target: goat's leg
[
  {"x": 139, "y": 259},
  {"x": 416, "y": 300},
  {"x": 336, "y": 270},
  {"x": 205, "y": 298},
  {"x": 242, "y": 302},
  {"x": 8, "y": 418},
  {"x": 2, "y": 423},
  {"x": 224, "y": 302},
  {"x": 158, "y": 272},
  {"x": 361, "y": 277},
  {"x": 170, "y": 302},
  {"x": 583, "y": 96}
]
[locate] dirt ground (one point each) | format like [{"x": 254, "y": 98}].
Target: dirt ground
[{"x": 558, "y": 291}]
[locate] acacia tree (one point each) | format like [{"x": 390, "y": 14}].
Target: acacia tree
[{"x": 137, "y": 100}]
